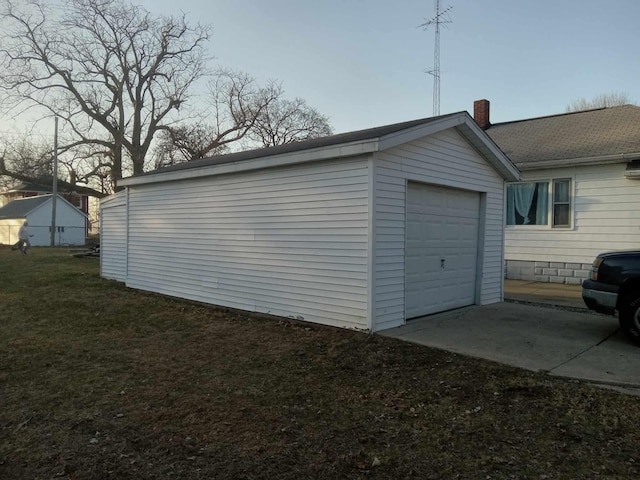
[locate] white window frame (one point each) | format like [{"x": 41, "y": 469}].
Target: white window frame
[
  {"x": 550, "y": 203},
  {"x": 553, "y": 203}
]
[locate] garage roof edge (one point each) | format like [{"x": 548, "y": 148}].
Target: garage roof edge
[{"x": 336, "y": 146}]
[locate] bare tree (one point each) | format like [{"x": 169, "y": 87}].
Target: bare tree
[
  {"x": 32, "y": 159},
  {"x": 112, "y": 71},
  {"x": 604, "y": 100},
  {"x": 31, "y": 162},
  {"x": 236, "y": 102},
  {"x": 185, "y": 143},
  {"x": 287, "y": 121},
  {"x": 242, "y": 112}
]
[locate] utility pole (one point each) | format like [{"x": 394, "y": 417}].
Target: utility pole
[
  {"x": 55, "y": 184},
  {"x": 441, "y": 17}
]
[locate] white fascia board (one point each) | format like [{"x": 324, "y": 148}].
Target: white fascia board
[
  {"x": 111, "y": 198},
  {"x": 501, "y": 162},
  {"x": 35, "y": 209},
  {"x": 71, "y": 205},
  {"x": 59, "y": 198},
  {"x": 470, "y": 130},
  {"x": 302, "y": 156},
  {"x": 582, "y": 162},
  {"x": 409, "y": 135}
]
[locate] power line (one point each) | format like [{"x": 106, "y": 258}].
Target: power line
[{"x": 441, "y": 17}]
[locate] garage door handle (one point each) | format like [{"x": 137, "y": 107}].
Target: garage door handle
[{"x": 442, "y": 263}]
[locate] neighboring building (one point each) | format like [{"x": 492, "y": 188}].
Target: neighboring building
[
  {"x": 579, "y": 194},
  {"x": 26, "y": 190},
  {"x": 70, "y": 221},
  {"x": 361, "y": 230}
]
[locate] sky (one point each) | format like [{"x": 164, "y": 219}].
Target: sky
[{"x": 362, "y": 63}]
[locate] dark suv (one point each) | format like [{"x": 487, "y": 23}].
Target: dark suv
[{"x": 614, "y": 284}]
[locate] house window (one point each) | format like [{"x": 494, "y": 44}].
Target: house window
[
  {"x": 527, "y": 203},
  {"x": 561, "y": 203},
  {"x": 531, "y": 203}
]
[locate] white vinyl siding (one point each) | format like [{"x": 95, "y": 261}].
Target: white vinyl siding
[
  {"x": 289, "y": 241},
  {"x": 605, "y": 216},
  {"x": 444, "y": 159},
  {"x": 113, "y": 237},
  {"x": 70, "y": 224}
]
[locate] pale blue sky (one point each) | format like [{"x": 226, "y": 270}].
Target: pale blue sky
[{"x": 362, "y": 62}]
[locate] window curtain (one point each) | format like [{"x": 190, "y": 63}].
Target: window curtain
[
  {"x": 520, "y": 199},
  {"x": 523, "y": 198}
]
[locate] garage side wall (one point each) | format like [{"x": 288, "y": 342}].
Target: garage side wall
[
  {"x": 444, "y": 159},
  {"x": 288, "y": 241},
  {"x": 113, "y": 237}
]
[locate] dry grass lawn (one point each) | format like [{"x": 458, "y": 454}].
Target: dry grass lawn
[{"x": 101, "y": 382}]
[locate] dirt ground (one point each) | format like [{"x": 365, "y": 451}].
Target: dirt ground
[{"x": 98, "y": 381}]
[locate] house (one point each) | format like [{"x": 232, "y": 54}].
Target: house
[
  {"x": 579, "y": 194},
  {"x": 26, "y": 190},
  {"x": 361, "y": 230},
  {"x": 37, "y": 210}
]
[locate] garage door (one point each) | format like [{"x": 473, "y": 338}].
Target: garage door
[{"x": 441, "y": 249}]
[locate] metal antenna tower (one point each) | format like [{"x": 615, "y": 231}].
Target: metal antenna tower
[{"x": 441, "y": 17}]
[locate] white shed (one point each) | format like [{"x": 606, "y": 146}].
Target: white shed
[
  {"x": 70, "y": 221},
  {"x": 361, "y": 230}
]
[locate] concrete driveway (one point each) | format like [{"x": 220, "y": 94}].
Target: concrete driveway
[{"x": 561, "y": 342}]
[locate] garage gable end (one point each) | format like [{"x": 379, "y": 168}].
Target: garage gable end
[
  {"x": 467, "y": 128},
  {"x": 438, "y": 228}
]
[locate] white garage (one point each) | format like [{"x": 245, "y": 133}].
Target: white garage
[{"x": 360, "y": 230}]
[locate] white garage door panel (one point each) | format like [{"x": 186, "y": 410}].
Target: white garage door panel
[{"x": 442, "y": 224}]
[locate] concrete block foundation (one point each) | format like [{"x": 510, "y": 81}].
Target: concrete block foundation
[{"x": 553, "y": 272}]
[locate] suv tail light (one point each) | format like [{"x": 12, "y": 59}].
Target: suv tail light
[{"x": 595, "y": 267}]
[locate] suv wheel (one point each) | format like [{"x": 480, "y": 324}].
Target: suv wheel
[{"x": 629, "y": 317}]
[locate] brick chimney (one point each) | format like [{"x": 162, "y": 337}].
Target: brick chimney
[{"x": 481, "y": 113}]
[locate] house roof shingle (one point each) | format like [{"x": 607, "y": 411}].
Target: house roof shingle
[
  {"x": 29, "y": 187},
  {"x": 586, "y": 134},
  {"x": 34, "y": 187},
  {"x": 21, "y": 207}
]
